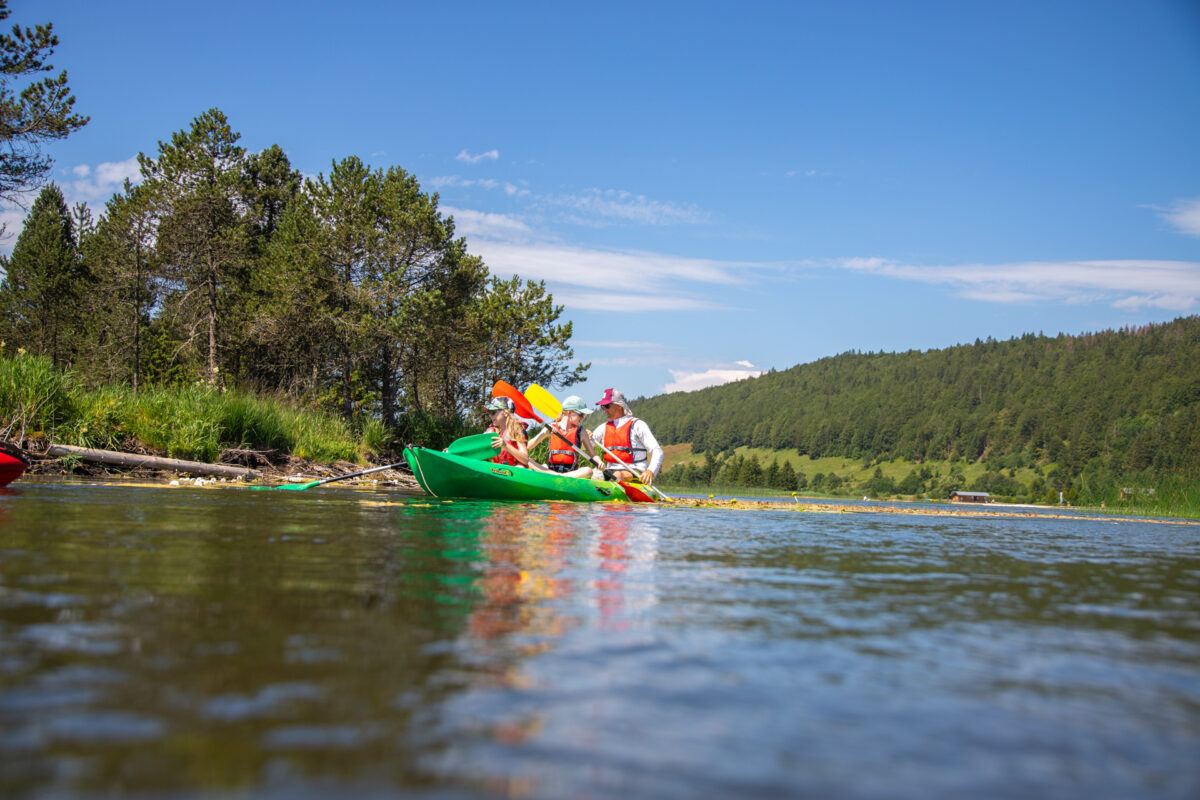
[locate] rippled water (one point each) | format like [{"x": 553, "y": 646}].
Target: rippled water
[{"x": 226, "y": 643}]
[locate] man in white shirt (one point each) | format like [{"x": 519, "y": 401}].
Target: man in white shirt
[{"x": 634, "y": 453}]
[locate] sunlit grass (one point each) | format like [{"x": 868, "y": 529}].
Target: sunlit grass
[
  {"x": 194, "y": 422},
  {"x": 35, "y": 398}
]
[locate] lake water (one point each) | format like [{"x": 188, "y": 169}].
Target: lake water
[{"x": 207, "y": 643}]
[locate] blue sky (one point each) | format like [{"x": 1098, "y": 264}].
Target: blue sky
[{"x": 714, "y": 189}]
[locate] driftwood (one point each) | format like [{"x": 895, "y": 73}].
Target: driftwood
[{"x": 150, "y": 462}]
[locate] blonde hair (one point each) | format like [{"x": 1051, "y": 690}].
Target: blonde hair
[{"x": 514, "y": 431}]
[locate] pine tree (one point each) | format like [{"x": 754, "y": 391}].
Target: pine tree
[
  {"x": 39, "y": 112},
  {"x": 786, "y": 479},
  {"x": 119, "y": 254},
  {"x": 44, "y": 282},
  {"x": 201, "y": 242}
]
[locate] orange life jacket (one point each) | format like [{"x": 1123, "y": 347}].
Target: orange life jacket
[
  {"x": 560, "y": 446},
  {"x": 618, "y": 441}
]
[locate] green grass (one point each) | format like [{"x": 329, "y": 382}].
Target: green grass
[
  {"x": 853, "y": 469},
  {"x": 194, "y": 422},
  {"x": 33, "y": 396},
  {"x": 1170, "y": 495}
]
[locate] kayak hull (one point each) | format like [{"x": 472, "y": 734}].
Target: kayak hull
[
  {"x": 13, "y": 463},
  {"x": 443, "y": 474}
]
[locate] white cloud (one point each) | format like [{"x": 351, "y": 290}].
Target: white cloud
[
  {"x": 12, "y": 218},
  {"x": 1127, "y": 284},
  {"x": 594, "y": 268},
  {"x": 630, "y": 353},
  {"x": 466, "y": 157},
  {"x": 607, "y": 301},
  {"x": 91, "y": 185},
  {"x": 1184, "y": 216},
  {"x": 1138, "y": 302},
  {"x": 585, "y": 278},
  {"x": 622, "y": 345},
  {"x": 598, "y": 207},
  {"x": 455, "y": 181},
  {"x": 95, "y": 185},
  {"x": 691, "y": 381},
  {"x": 485, "y": 224}
]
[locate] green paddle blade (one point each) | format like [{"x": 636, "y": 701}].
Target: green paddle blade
[
  {"x": 478, "y": 447},
  {"x": 293, "y": 487}
]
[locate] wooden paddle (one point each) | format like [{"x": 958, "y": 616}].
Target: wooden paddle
[
  {"x": 300, "y": 487},
  {"x": 550, "y": 406}
]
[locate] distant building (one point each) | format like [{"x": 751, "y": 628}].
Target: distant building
[{"x": 970, "y": 497}]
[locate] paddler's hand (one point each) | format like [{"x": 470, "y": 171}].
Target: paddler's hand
[
  {"x": 647, "y": 478},
  {"x": 497, "y": 443}
]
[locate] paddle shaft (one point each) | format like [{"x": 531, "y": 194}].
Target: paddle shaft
[
  {"x": 300, "y": 487},
  {"x": 628, "y": 467},
  {"x": 358, "y": 474}
]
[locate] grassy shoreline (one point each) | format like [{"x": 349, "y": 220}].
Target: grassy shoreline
[
  {"x": 40, "y": 404},
  {"x": 742, "y": 495}
]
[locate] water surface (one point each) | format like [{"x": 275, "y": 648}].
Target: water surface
[{"x": 224, "y": 643}]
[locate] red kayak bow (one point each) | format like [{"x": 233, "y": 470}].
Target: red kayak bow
[{"x": 13, "y": 463}]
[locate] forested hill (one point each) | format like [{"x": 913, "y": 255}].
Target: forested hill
[{"x": 1130, "y": 397}]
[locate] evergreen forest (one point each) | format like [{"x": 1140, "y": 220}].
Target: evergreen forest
[{"x": 1094, "y": 413}]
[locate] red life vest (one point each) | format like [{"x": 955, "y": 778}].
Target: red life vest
[
  {"x": 503, "y": 457},
  {"x": 618, "y": 441},
  {"x": 560, "y": 446}
]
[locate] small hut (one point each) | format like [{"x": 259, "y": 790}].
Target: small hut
[{"x": 970, "y": 497}]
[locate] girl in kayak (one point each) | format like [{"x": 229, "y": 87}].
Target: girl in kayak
[
  {"x": 511, "y": 440},
  {"x": 567, "y": 433}
]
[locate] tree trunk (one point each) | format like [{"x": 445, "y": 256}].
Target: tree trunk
[
  {"x": 212, "y": 322},
  {"x": 151, "y": 462},
  {"x": 387, "y": 388}
]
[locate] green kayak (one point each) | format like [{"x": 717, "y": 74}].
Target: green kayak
[{"x": 442, "y": 474}]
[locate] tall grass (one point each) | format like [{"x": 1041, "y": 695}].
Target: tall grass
[
  {"x": 1170, "y": 495},
  {"x": 35, "y": 398},
  {"x": 196, "y": 422}
]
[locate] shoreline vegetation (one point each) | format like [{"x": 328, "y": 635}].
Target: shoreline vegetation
[
  {"x": 764, "y": 473},
  {"x": 1110, "y": 418},
  {"x": 40, "y": 405}
]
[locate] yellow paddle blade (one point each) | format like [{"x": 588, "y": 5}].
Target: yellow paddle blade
[{"x": 544, "y": 401}]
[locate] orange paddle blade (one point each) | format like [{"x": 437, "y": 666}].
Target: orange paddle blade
[{"x": 502, "y": 389}]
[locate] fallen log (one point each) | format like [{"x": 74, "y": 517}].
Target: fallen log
[{"x": 150, "y": 462}]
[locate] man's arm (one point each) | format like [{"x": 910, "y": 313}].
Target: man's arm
[{"x": 654, "y": 452}]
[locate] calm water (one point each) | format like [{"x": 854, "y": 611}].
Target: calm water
[{"x": 198, "y": 643}]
